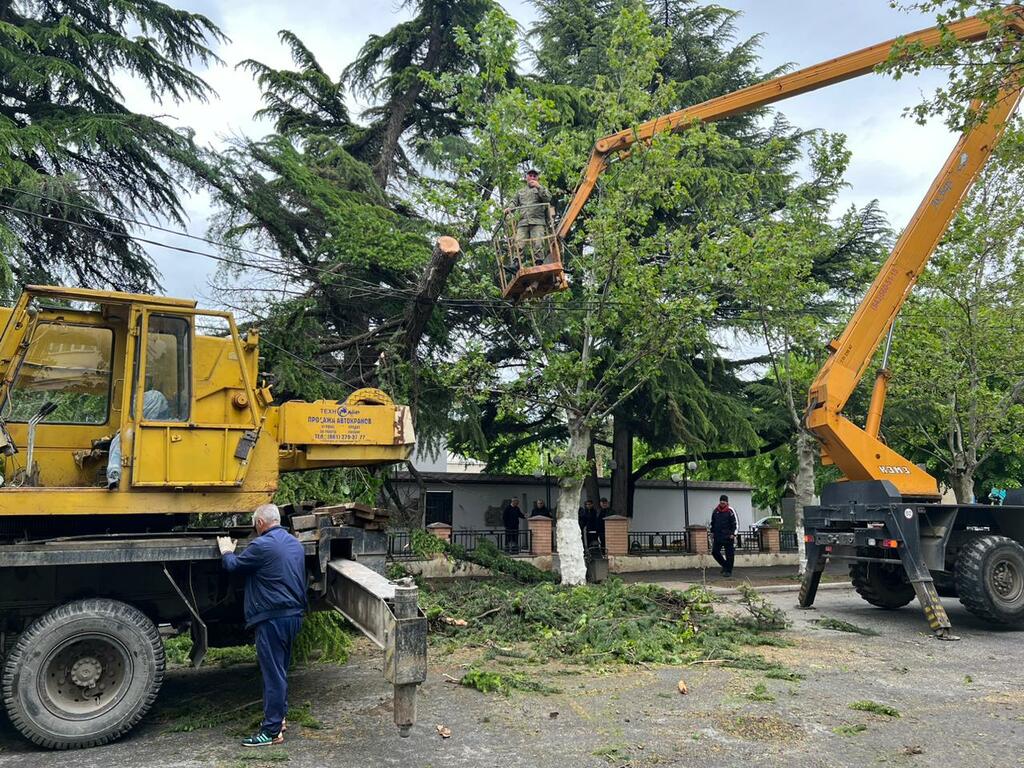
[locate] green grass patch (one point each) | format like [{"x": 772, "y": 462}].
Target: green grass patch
[
  {"x": 489, "y": 681},
  {"x": 205, "y": 714},
  {"x": 849, "y": 730},
  {"x": 302, "y": 715},
  {"x": 614, "y": 753},
  {"x": 838, "y": 625},
  {"x": 781, "y": 673},
  {"x": 760, "y": 693},
  {"x": 875, "y": 708}
]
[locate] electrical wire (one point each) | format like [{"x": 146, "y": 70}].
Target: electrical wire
[{"x": 368, "y": 288}]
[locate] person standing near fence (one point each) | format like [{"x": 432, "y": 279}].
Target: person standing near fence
[
  {"x": 510, "y": 516},
  {"x": 723, "y": 532}
]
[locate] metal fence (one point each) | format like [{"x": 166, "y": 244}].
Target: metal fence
[
  {"x": 518, "y": 543},
  {"x": 658, "y": 542},
  {"x": 640, "y": 542},
  {"x": 400, "y": 545},
  {"x": 748, "y": 540}
]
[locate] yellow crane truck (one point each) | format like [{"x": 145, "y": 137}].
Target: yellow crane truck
[
  {"x": 125, "y": 421},
  {"x": 885, "y": 517}
]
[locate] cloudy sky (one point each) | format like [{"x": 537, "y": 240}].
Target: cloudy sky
[{"x": 894, "y": 160}]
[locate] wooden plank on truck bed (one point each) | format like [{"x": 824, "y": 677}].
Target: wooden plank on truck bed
[{"x": 304, "y": 522}]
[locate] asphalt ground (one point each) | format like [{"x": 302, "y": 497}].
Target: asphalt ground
[{"x": 959, "y": 704}]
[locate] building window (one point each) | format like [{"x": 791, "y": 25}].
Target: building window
[{"x": 439, "y": 507}]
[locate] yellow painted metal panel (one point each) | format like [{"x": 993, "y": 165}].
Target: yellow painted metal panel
[{"x": 327, "y": 422}]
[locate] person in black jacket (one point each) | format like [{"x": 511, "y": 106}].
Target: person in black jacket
[
  {"x": 723, "y": 532},
  {"x": 588, "y": 521},
  {"x": 510, "y": 516},
  {"x": 274, "y": 565}
]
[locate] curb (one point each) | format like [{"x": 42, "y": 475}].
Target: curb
[{"x": 769, "y": 589}]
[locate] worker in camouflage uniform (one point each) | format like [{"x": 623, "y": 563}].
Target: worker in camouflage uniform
[{"x": 531, "y": 205}]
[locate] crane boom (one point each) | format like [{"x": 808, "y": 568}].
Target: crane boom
[
  {"x": 752, "y": 97},
  {"x": 859, "y": 453}
]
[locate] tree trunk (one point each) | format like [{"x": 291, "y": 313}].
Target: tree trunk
[
  {"x": 961, "y": 480},
  {"x": 399, "y": 109},
  {"x": 567, "y": 528},
  {"x": 806, "y": 451},
  {"x": 435, "y": 277},
  {"x": 622, "y": 456}
]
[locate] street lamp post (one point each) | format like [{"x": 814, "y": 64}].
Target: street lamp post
[{"x": 684, "y": 478}]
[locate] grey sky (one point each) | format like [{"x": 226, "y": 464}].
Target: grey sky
[{"x": 894, "y": 160}]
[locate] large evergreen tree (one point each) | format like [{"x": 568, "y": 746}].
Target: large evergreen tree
[
  {"x": 390, "y": 70},
  {"x": 77, "y": 160},
  {"x": 341, "y": 257}
]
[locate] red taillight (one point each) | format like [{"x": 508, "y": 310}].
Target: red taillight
[
  {"x": 890, "y": 544},
  {"x": 808, "y": 538}
]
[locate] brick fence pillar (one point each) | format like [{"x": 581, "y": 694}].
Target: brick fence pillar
[
  {"x": 697, "y": 539},
  {"x": 540, "y": 535},
  {"x": 770, "y": 540},
  {"x": 443, "y": 531},
  {"x": 616, "y": 535}
]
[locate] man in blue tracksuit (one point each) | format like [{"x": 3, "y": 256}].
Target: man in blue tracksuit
[{"x": 275, "y": 599}]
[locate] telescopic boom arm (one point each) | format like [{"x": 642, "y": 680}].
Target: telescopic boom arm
[{"x": 858, "y": 453}]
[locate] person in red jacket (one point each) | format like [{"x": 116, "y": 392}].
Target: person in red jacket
[{"x": 723, "y": 533}]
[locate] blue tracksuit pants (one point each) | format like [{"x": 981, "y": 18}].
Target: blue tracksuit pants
[{"x": 274, "y": 638}]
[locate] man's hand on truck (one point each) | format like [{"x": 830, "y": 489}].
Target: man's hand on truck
[{"x": 226, "y": 544}]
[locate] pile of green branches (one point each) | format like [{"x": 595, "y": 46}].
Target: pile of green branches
[
  {"x": 486, "y": 555},
  {"x": 610, "y": 622}
]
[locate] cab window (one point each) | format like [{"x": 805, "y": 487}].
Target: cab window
[
  {"x": 167, "y": 391},
  {"x": 69, "y": 365}
]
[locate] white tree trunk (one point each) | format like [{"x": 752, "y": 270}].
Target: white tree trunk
[
  {"x": 571, "y": 562},
  {"x": 806, "y": 450}
]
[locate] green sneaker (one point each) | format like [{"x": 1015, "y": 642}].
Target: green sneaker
[{"x": 261, "y": 739}]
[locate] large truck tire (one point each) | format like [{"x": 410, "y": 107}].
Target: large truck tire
[
  {"x": 83, "y": 674},
  {"x": 882, "y": 585},
  {"x": 990, "y": 579}
]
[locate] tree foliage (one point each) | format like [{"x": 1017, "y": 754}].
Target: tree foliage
[
  {"x": 78, "y": 161},
  {"x": 391, "y": 69},
  {"x": 978, "y": 72}
]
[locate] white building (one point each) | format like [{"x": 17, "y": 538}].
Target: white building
[{"x": 473, "y": 500}]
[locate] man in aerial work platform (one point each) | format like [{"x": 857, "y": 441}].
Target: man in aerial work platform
[{"x": 531, "y": 204}]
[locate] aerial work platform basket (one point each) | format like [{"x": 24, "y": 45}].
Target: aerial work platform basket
[{"x": 528, "y": 268}]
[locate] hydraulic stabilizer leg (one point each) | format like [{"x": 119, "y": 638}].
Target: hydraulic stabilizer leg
[
  {"x": 924, "y": 588},
  {"x": 933, "y": 610},
  {"x": 812, "y": 576}
]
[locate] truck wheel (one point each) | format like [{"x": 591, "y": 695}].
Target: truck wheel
[
  {"x": 83, "y": 674},
  {"x": 990, "y": 579},
  {"x": 882, "y": 585}
]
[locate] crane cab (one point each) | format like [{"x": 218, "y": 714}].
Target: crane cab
[{"x": 528, "y": 269}]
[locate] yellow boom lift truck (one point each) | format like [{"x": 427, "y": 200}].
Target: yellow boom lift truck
[
  {"x": 121, "y": 423},
  {"x": 886, "y": 517}
]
